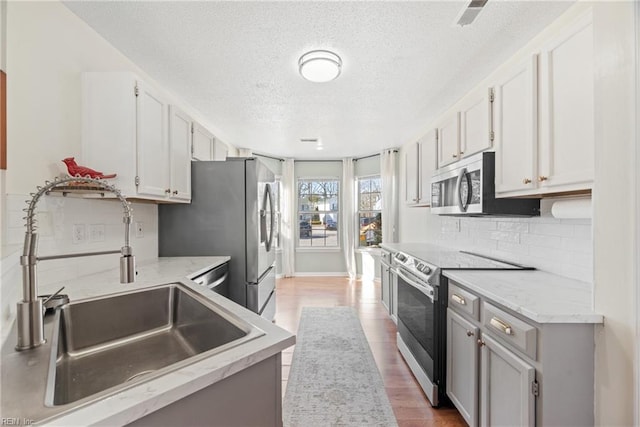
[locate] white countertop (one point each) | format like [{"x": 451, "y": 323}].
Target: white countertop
[
  {"x": 540, "y": 296},
  {"x": 131, "y": 404}
]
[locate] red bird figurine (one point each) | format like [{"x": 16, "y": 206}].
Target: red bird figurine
[{"x": 77, "y": 170}]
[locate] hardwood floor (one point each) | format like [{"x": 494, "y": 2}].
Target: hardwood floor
[{"x": 410, "y": 405}]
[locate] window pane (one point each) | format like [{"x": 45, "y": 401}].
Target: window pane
[
  {"x": 318, "y": 213},
  {"x": 370, "y": 229}
]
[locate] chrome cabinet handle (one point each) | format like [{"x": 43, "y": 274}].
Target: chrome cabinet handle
[
  {"x": 458, "y": 299},
  {"x": 454, "y": 156},
  {"x": 175, "y": 192},
  {"x": 481, "y": 343},
  {"x": 542, "y": 178},
  {"x": 504, "y": 327},
  {"x": 470, "y": 334},
  {"x": 526, "y": 181},
  {"x": 167, "y": 191}
]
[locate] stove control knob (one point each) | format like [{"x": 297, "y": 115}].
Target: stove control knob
[
  {"x": 424, "y": 269},
  {"x": 401, "y": 257}
]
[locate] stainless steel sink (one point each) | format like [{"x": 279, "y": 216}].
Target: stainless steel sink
[{"x": 103, "y": 345}]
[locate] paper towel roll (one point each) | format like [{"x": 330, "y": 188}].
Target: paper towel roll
[{"x": 576, "y": 208}]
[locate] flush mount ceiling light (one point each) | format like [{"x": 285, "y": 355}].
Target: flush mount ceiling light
[{"x": 320, "y": 66}]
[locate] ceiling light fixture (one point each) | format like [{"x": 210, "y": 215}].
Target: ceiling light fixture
[{"x": 320, "y": 66}]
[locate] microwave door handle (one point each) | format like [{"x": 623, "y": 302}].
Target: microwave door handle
[
  {"x": 466, "y": 204},
  {"x": 461, "y": 175}
]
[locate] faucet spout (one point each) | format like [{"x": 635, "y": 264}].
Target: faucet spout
[{"x": 29, "y": 311}]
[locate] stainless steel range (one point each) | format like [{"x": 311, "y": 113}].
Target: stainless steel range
[{"x": 422, "y": 310}]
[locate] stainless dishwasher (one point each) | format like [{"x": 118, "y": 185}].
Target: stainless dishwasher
[{"x": 215, "y": 279}]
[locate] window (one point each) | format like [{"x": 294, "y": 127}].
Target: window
[
  {"x": 370, "y": 211},
  {"x": 318, "y": 213}
]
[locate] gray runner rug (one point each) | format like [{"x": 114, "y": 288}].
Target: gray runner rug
[{"x": 334, "y": 380}]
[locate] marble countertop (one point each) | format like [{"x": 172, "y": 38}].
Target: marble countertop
[
  {"x": 540, "y": 296},
  {"x": 133, "y": 403}
]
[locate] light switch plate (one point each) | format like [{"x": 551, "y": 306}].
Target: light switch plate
[{"x": 96, "y": 233}]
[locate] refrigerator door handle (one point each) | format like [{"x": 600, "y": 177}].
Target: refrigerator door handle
[
  {"x": 263, "y": 226},
  {"x": 269, "y": 194}
]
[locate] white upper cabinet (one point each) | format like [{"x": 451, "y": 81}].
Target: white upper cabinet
[
  {"x": 567, "y": 108},
  {"x": 220, "y": 150},
  {"x": 202, "y": 143},
  {"x": 420, "y": 163},
  {"x": 449, "y": 139},
  {"x": 125, "y": 130},
  {"x": 411, "y": 174},
  {"x": 516, "y": 127},
  {"x": 427, "y": 148},
  {"x": 180, "y": 144},
  {"x": 152, "y": 142},
  {"x": 475, "y": 122}
]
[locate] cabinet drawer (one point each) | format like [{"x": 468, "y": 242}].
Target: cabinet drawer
[
  {"x": 464, "y": 302},
  {"x": 510, "y": 329},
  {"x": 386, "y": 256}
]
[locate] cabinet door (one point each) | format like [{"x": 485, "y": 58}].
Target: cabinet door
[
  {"x": 152, "y": 142},
  {"x": 462, "y": 366},
  {"x": 449, "y": 139},
  {"x": 567, "y": 108},
  {"x": 202, "y": 143},
  {"x": 475, "y": 123},
  {"x": 220, "y": 150},
  {"x": 428, "y": 164},
  {"x": 393, "y": 283},
  {"x": 506, "y": 392},
  {"x": 516, "y": 128},
  {"x": 385, "y": 288},
  {"x": 411, "y": 174},
  {"x": 180, "y": 158}
]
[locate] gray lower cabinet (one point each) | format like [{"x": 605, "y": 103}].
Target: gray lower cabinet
[
  {"x": 389, "y": 285},
  {"x": 462, "y": 366},
  {"x": 385, "y": 284},
  {"x": 506, "y": 397},
  {"x": 504, "y": 369}
]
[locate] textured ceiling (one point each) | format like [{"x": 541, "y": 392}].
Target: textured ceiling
[{"x": 236, "y": 62}]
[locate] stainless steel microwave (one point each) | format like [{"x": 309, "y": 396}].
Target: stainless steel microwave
[{"x": 467, "y": 188}]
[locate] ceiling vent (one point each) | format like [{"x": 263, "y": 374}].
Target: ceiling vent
[
  {"x": 470, "y": 12},
  {"x": 309, "y": 140}
]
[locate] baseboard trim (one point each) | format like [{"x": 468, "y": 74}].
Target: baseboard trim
[{"x": 321, "y": 274}]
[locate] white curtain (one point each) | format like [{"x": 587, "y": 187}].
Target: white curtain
[
  {"x": 389, "y": 173},
  {"x": 288, "y": 225},
  {"x": 245, "y": 152},
  {"x": 349, "y": 216}
]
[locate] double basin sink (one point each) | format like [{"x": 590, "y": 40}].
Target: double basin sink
[{"x": 103, "y": 345}]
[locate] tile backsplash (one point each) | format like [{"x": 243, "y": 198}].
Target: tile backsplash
[
  {"x": 98, "y": 226},
  {"x": 559, "y": 246}
]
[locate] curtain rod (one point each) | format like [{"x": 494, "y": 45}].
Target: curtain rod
[{"x": 371, "y": 155}]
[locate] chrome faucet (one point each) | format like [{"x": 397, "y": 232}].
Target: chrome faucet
[{"x": 29, "y": 313}]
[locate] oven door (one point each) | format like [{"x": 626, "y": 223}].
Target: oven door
[{"x": 416, "y": 325}]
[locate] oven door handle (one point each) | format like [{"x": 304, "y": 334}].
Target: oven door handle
[{"x": 428, "y": 292}]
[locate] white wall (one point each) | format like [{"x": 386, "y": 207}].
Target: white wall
[
  {"x": 614, "y": 223},
  {"x": 47, "y": 49}
]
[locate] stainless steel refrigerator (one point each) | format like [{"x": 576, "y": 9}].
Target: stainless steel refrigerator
[{"x": 231, "y": 213}]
